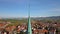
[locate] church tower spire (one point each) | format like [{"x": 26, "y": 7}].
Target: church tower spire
[{"x": 29, "y": 20}]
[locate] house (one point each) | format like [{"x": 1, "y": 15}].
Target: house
[
  {"x": 10, "y": 29},
  {"x": 43, "y": 31},
  {"x": 52, "y": 30}
]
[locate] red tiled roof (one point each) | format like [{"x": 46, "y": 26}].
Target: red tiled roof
[
  {"x": 1, "y": 25},
  {"x": 43, "y": 31},
  {"x": 10, "y": 28}
]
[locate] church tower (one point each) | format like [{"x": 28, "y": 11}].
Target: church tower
[{"x": 29, "y": 20}]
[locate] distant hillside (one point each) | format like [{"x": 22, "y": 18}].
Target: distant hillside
[
  {"x": 52, "y": 17},
  {"x": 48, "y": 19},
  {"x": 35, "y": 18},
  {"x": 25, "y": 20}
]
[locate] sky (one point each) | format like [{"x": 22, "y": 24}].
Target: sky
[{"x": 38, "y": 8}]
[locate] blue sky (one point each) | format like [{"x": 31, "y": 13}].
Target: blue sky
[{"x": 19, "y": 8}]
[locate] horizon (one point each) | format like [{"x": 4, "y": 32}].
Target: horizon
[{"x": 31, "y": 17}]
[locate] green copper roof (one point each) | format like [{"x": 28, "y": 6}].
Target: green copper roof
[
  {"x": 29, "y": 20},
  {"x": 29, "y": 26}
]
